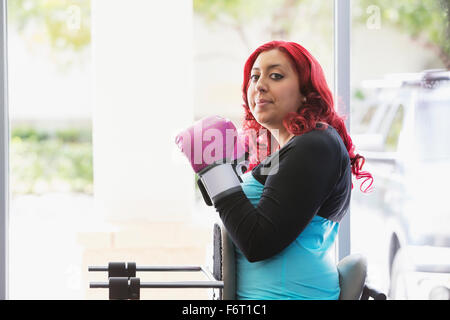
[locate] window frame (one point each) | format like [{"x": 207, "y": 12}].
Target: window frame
[
  {"x": 342, "y": 28},
  {"x": 4, "y": 158}
]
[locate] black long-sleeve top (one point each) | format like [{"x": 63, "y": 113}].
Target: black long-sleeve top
[{"x": 310, "y": 175}]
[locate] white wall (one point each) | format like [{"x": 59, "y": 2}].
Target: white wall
[{"x": 142, "y": 96}]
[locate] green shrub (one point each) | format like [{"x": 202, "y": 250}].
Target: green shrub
[
  {"x": 29, "y": 133},
  {"x": 44, "y": 161},
  {"x": 74, "y": 135}
]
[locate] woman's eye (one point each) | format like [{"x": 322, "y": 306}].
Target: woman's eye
[
  {"x": 276, "y": 76},
  {"x": 254, "y": 77}
]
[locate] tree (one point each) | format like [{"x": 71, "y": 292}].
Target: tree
[
  {"x": 426, "y": 21},
  {"x": 65, "y": 25},
  {"x": 238, "y": 13}
]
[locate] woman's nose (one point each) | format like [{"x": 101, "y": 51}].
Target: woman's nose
[{"x": 261, "y": 85}]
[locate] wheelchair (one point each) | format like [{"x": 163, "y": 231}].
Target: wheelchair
[{"x": 123, "y": 284}]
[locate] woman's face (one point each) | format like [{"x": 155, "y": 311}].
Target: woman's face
[{"x": 274, "y": 89}]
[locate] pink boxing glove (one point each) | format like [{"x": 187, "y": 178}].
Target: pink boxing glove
[{"x": 217, "y": 155}]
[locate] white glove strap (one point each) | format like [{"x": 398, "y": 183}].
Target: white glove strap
[{"x": 220, "y": 181}]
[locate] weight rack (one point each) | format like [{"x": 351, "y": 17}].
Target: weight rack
[{"x": 124, "y": 285}]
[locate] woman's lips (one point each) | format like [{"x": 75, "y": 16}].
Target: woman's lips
[{"x": 262, "y": 102}]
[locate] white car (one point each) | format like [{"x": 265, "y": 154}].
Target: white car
[{"x": 406, "y": 143}]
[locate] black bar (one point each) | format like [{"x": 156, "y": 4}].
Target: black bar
[
  {"x": 152, "y": 268},
  {"x": 178, "y": 284}
]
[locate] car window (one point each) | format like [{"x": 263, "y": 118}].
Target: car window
[
  {"x": 361, "y": 117},
  {"x": 391, "y": 142},
  {"x": 364, "y": 124}
]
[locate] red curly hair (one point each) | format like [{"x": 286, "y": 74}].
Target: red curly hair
[{"x": 319, "y": 107}]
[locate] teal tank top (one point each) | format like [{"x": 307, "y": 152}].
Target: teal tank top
[{"x": 305, "y": 270}]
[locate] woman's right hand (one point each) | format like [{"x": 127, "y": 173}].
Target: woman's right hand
[{"x": 216, "y": 154}]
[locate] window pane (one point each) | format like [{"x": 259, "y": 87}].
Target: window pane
[
  {"x": 396, "y": 46},
  {"x": 51, "y": 176}
]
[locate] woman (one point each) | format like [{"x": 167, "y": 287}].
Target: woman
[{"x": 285, "y": 219}]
